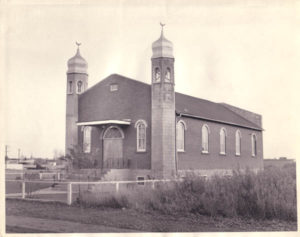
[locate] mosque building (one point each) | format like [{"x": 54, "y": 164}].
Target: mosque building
[{"x": 134, "y": 130}]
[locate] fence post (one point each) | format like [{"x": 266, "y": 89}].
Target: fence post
[
  {"x": 58, "y": 175},
  {"x": 69, "y": 193},
  {"x": 23, "y": 189},
  {"x": 153, "y": 185},
  {"x": 117, "y": 187},
  {"x": 41, "y": 174}
]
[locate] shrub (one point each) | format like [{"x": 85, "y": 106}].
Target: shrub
[
  {"x": 88, "y": 199},
  {"x": 269, "y": 194}
]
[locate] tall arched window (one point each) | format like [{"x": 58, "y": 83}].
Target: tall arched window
[
  {"x": 141, "y": 126},
  {"x": 253, "y": 145},
  {"x": 238, "y": 139},
  {"x": 205, "y": 134},
  {"x": 223, "y": 141},
  {"x": 180, "y": 135},
  {"x": 168, "y": 74},
  {"x": 87, "y": 139},
  {"x": 157, "y": 74},
  {"x": 79, "y": 87}
]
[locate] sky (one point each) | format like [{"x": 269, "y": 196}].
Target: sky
[{"x": 245, "y": 53}]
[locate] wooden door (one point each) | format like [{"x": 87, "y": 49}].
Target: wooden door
[{"x": 113, "y": 148}]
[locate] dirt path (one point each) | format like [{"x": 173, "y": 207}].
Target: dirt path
[{"x": 57, "y": 226}]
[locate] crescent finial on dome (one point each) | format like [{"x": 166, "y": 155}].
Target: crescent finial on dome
[
  {"x": 162, "y": 47},
  {"x": 77, "y": 64}
]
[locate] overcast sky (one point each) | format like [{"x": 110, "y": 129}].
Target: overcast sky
[{"x": 245, "y": 53}]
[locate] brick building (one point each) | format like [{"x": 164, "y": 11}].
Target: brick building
[{"x": 137, "y": 130}]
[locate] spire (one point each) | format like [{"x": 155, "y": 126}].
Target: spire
[
  {"x": 162, "y": 48},
  {"x": 162, "y": 29},
  {"x": 77, "y": 64},
  {"x": 78, "y": 44}
]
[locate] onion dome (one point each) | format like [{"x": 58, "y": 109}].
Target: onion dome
[
  {"x": 77, "y": 64},
  {"x": 162, "y": 47}
]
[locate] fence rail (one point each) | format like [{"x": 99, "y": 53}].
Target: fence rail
[{"x": 69, "y": 188}]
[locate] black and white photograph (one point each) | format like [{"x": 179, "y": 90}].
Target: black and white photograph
[{"x": 159, "y": 117}]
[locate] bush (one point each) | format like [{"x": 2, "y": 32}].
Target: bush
[
  {"x": 88, "y": 199},
  {"x": 269, "y": 194}
]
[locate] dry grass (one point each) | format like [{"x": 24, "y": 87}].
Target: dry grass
[{"x": 269, "y": 194}]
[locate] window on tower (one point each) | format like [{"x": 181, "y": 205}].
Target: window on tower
[
  {"x": 157, "y": 74},
  {"x": 79, "y": 87},
  {"x": 168, "y": 75},
  {"x": 70, "y": 87}
]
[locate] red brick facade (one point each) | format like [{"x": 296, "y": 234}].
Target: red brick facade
[
  {"x": 133, "y": 101},
  {"x": 118, "y": 103},
  {"x": 193, "y": 158}
]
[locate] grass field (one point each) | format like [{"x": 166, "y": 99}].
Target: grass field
[
  {"x": 138, "y": 220},
  {"x": 16, "y": 187}
]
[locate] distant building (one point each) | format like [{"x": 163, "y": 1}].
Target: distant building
[
  {"x": 137, "y": 130},
  {"x": 282, "y": 161}
]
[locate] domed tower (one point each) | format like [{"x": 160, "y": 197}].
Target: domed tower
[
  {"x": 77, "y": 82},
  {"x": 163, "y": 109}
]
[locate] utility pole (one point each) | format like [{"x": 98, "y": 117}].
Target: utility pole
[
  {"x": 6, "y": 152},
  {"x": 6, "y": 155}
]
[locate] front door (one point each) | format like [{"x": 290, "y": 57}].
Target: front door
[{"x": 113, "y": 147}]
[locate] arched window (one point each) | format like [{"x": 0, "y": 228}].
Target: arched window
[
  {"x": 157, "y": 74},
  {"x": 253, "y": 145},
  {"x": 70, "y": 89},
  {"x": 87, "y": 139},
  {"x": 223, "y": 141},
  {"x": 238, "y": 138},
  {"x": 141, "y": 126},
  {"x": 205, "y": 134},
  {"x": 168, "y": 74},
  {"x": 79, "y": 87},
  {"x": 180, "y": 135}
]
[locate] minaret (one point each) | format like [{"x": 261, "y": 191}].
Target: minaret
[
  {"x": 77, "y": 82},
  {"x": 163, "y": 109}
]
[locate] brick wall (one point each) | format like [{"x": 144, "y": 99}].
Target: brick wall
[
  {"x": 131, "y": 101},
  {"x": 192, "y": 158}
]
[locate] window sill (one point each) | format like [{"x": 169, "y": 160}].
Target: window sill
[
  {"x": 205, "y": 152},
  {"x": 222, "y": 154},
  {"x": 141, "y": 151},
  {"x": 238, "y": 155},
  {"x": 180, "y": 151}
]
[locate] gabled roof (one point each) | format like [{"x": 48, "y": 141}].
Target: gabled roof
[
  {"x": 207, "y": 110},
  {"x": 193, "y": 107}
]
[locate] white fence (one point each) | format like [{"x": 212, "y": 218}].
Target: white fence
[
  {"x": 66, "y": 191},
  {"x": 42, "y": 175}
]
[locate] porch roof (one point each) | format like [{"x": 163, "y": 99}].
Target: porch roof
[{"x": 100, "y": 122}]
